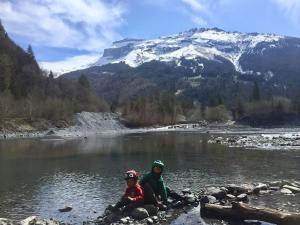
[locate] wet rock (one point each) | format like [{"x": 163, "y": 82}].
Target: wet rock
[
  {"x": 151, "y": 209},
  {"x": 216, "y": 192},
  {"x": 242, "y": 198},
  {"x": 190, "y": 199},
  {"x": 155, "y": 219},
  {"x": 149, "y": 221},
  {"x": 260, "y": 187},
  {"x": 186, "y": 191},
  {"x": 208, "y": 199},
  {"x": 292, "y": 188},
  {"x": 65, "y": 209},
  {"x": 231, "y": 197},
  {"x": 125, "y": 220},
  {"x": 29, "y": 221},
  {"x": 178, "y": 204},
  {"x": 239, "y": 189},
  {"x": 4, "y": 221},
  {"x": 286, "y": 191},
  {"x": 139, "y": 213}
]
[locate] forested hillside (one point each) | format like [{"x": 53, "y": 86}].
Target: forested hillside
[{"x": 33, "y": 97}]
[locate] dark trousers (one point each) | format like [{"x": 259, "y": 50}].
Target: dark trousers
[
  {"x": 128, "y": 205},
  {"x": 152, "y": 198}
]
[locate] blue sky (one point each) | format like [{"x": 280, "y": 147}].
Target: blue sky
[{"x": 67, "y": 32}]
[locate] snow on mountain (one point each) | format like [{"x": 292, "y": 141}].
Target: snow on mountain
[
  {"x": 209, "y": 44},
  {"x": 69, "y": 64}
]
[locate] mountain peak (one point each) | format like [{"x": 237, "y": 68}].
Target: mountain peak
[{"x": 205, "y": 43}]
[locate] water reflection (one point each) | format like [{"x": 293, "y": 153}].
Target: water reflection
[{"x": 39, "y": 176}]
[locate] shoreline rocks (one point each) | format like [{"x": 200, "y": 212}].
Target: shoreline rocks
[
  {"x": 225, "y": 195},
  {"x": 264, "y": 141}
]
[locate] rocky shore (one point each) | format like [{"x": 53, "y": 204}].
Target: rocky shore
[
  {"x": 263, "y": 141},
  {"x": 225, "y": 195}
]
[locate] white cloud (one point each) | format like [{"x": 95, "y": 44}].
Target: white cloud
[
  {"x": 196, "y": 5},
  {"x": 69, "y": 64},
  {"x": 291, "y": 9},
  {"x": 80, "y": 24}
]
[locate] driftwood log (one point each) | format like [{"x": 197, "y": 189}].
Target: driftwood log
[{"x": 242, "y": 211}]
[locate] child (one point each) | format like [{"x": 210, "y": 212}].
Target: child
[
  {"x": 134, "y": 194},
  {"x": 153, "y": 185}
]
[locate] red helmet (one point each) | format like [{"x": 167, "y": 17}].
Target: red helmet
[{"x": 131, "y": 174}]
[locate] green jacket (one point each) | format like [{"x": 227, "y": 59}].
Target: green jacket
[{"x": 158, "y": 185}]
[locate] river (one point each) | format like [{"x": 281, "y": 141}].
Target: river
[{"x": 39, "y": 176}]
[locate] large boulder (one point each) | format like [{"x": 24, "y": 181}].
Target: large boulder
[{"x": 139, "y": 213}]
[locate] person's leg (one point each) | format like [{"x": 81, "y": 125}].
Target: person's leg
[
  {"x": 149, "y": 195},
  {"x": 121, "y": 203}
]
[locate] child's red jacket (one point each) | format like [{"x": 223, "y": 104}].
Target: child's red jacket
[{"x": 136, "y": 193}]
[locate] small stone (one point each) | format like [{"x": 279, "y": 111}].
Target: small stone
[
  {"x": 242, "y": 197},
  {"x": 65, "y": 209},
  {"x": 286, "y": 191},
  {"x": 186, "y": 191},
  {"x": 229, "y": 196},
  {"x": 149, "y": 221},
  {"x": 124, "y": 220},
  {"x": 155, "y": 218}
]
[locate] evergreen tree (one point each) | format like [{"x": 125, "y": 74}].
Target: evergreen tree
[
  {"x": 83, "y": 81},
  {"x": 30, "y": 52},
  {"x": 51, "y": 76}
]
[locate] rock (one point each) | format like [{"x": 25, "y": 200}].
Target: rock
[
  {"x": 239, "y": 189},
  {"x": 260, "y": 187},
  {"x": 139, "y": 213},
  {"x": 65, "y": 209},
  {"x": 151, "y": 209},
  {"x": 190, "y": 198},
  {"x": 186, "y": 191},
  {"x": 29, "y": 221},
  {"x": 125, "y": 220},
  {"x": 243, "y": 198},
  {"x": 229, "y": 196},
  {"x": 292, "y": 188},
  {"x": 149, "y": 221},
  {"x": 274, "y": 188},
  {"x": 178, "y": 204},
  {"x": 4, "y": 221},
  {"x": 155, "y": 218},
  {"x": 50, "y": 132},
  {"x": 286, "y": 191},
  {"x": 216, "y": 192},
  {"x": 208, "y": 199}
]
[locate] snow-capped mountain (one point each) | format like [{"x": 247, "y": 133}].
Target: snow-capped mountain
[
  {"x": 197, "y": 64},
  {"x": 210, "y": 44}
]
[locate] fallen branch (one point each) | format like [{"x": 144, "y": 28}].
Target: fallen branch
[{"x": 242, "y": 211}]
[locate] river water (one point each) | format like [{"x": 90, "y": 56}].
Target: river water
[{"x": 39, "y": 176}]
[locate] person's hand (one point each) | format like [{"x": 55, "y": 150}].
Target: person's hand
[{"x": 130, "y": 199}]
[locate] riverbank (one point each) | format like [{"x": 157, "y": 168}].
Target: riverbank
[
  {"x": 228, "y": 133},
  {"x": 249, "y": 194}
]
